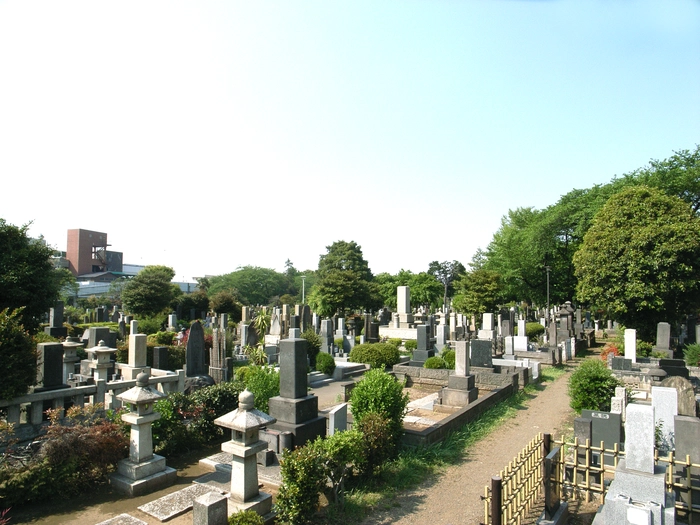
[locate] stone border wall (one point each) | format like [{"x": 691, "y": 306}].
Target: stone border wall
[
  {"x": 486, "y": 378},
  {"x": 457, "y": 420}
]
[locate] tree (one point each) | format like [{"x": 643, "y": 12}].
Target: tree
[
  {"x": 345, "y": 281},
  {"x": 478, "y": 291},
  {"x": 17, "y": 354},
  {"x": 226, "y": 302},
  {"x": 446, "y": 273},
  {"x": 197, "y": 301},
  {"x": 254, "y": 285},
  {"x": 27, "y": 276},
  {"x": 640, "y": 260},
  {"x": 150, "y": 291}
]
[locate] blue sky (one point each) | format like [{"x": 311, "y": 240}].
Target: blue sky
[{"x": 211, "y": 135}]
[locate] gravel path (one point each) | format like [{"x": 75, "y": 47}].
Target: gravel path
[{"x": 454, "y": 497}]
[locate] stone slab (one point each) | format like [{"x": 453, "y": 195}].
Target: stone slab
[
  {"x": 177, "y": 503},
  {"x": 123, "y": 519},
  {"x": 140, "y": 487}
]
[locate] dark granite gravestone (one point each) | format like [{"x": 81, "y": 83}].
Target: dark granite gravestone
[
  {"x": 294, "y": 322},
  {"x": 674, "y": 367},
  {"x": 607, "y": 427},
  {"x": 687, "y": 440},
  {"x": 480, "y": 354},
  {"x": 506, "y": 328},
  {"x": 305, "y": 318},
  {"x": 100, "y": 314},
  {"x": 552, "y": 500},
  {"x": 326, "y": 334},
  {"x": 49, "y": 372},
  {"x": 424, "y": 345},
  {"x": 194, "y": 356},
  {"x": 160, "y": 358},
  {"x": 56, "y": 328},
  {"x": 621, "y": 364}
]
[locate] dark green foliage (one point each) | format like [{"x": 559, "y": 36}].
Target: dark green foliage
[
  {"x": 325, "y": 364},
  {"x": 313, "y": 345},
  {"x": 241, "y": 373},
  {"x": 264, "y": 383},
  {"x": 691, "y": 354},
  {"x": 376, "y": 355},
  {"x": 345, "y": 282},
  {"x": 435, "y": 362},
  {"x": 227, "y": 302},
  {"x": 426, "y": 290},
  {"x": 533, "y": 331},
  {"x": 449, "y": 356},
  {"x": 252, "y": 285},
  {"x": 640, "y": 260},
  {"x": 303, "y": 480},
  {"x": 446, "y": 273},
  {"x": 152, "y": 324},
  {"x": 17, "y": 354},
  {"x": 73, "y": 458},
  {"x": 27, "y": 275},
  {"x": 378, "y": 443},
  {"x": 478, "y": 291},
  {"x": 411, "y": 345},
  {"x": 245, "y": 517},
  {"x": 162, "y": 338},
  {"x": 396, "y": 341},
  {"x": 340, "y": 453},
  {"x": 644, "y": 349},
  {"x": 150, "y": 292},
  {"x": 591, "y": 386},
  {"x": 378, "y": 392},
  {"x": 197, "y": 301}
]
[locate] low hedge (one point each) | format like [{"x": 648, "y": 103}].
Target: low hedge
[{"x": 376, "y": 355}]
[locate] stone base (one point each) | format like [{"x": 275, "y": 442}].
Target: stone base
[
  {"x": 459, "y": 398},
  {"x": 420, "y": 356},
  {"x": 136, "y": 471},
  {"x": 561, "y": 517},
  {"x": 302, "y": 432},
  {"x": 139, "y": 487},
  {"x": 262, "y": 504},
  {"x": 294, "y": 411},
  {"x": 461, "y": 382},
  {"x": 56, "y": 331}
]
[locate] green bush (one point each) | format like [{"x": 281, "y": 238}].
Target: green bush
[
  {"x": 376, "y": 355},
  {"x": 396, "y": 341},
  {"x": 151, "y": 325},
  {"x": 435, "y": 362},
  {"x": 313, "y": 345},
  {"x": 241, "y": 373},
  {"x": 303, "y": 479},
  {"x": 170, "y": 433},
  {"x": 591, "y": 386},
  {"x": 18, "y": 355},
  {"x": 378, "y": 444},
  {"x": 264, "y": 383},
  {"x": 338, "y": 343},
  {"x": 161, "y": 338},
  {"x": 380, "y": 393},
  {"x": 340, "y": 453},
  {"x": 691, "y": 354},
  {"x": 325, "y": 364},
  {"x": 449, "y": 356},
  {"x": 411, "y": 345},
  {"x": 245, "y": 517},
  {"x": 644, "y": 349},
  {"x": 533, "y": 331}
]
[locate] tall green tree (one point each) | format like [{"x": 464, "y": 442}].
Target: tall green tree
[
  {"x": 151, "y": 291},
  {"x": 255, "y": 286},
  {"x": 478, "y": 291},
  {"x": 17, "y": 354},
  {"x": 345, "y": 282},
  {"x": 425, "y": 288},
  {"x": 640, "y": 260},
  {"x": 27, "y": 275},
  {"x": 446, "y": 273}
]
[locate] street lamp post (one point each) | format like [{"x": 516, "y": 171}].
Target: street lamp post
[{"x": 303, "y": 289}]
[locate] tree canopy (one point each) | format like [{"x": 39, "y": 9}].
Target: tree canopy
[
  {"x": 640, "y": 260},
  {"x": 344, "y": 281},
  {"x": 151, "y": 291},
  {"x": 17, "y": 354},
  {"x": 425, "y": 288},
  {"x": 252, "y": 285},
  {"x": 27, "y": 276},
  {"x": 446, "y": 273}
]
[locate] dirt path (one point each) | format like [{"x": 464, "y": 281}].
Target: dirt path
[{"x": 454, "y": 498}]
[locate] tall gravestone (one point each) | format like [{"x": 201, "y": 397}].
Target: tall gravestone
[
  {"x": 663, "y": 339},
  {"x": 196, "y": 368},
  {"x": 460, "y": 390},
  {"x": 295, "y": 410},
  {"x": 49, "y": 372},
  {"x": 56, "y": 328},
  {"x": 424, "y": 348},
  {"x": 631, "y": 344},
  {"x": 480, "y": 353}
]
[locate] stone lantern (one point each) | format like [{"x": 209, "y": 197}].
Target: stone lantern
[
  {"x": 245, "y": 423},
  {"x": 70, "y": 357},
  {"x": 143, "y": 471},
  {"x": 101, "y": 360}
]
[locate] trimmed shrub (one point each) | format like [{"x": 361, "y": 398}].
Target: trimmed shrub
[
  {"x": 644, "y": 349},
  {"x": 435, "y": 362},
  {"x": 303, "y": 480},
  {"x": 245, "y": 517},
  {"x": 591, "y": 386},
  {"x": 264, "y": 383},
  {"x": 161, "y": 338},
  {"x": 411, "y": 345},
  {"x": 691, "y": 354},
  {"x": 378, "y": 444},
  {"x": 338, "y": 343},
  {"x": 241, "y": 373},
  {"x": 380, "y": 393},
  {"x": 376, "y": 355},
  {"x": 533, "y": 331},
  {"x": 396, "y": 341},
  {"x": 325, "y": 364},
  {"x": 449, "y": 356},
  {"x": 313, "y": 345},
  {"x": 151, "y": 325},
  {"x": 340, "y": 453}
]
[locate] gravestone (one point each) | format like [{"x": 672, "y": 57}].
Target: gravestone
[
  {"x": 441, "y": 337},
  {"x": 424, "y": 348},
  {"x": 665, "y": 403},
  {"x": 621, "y": 364},
  {"x": 552, "y": 501},
  {"x": 160, "y": 358},
  {"x": 56, "y": 328},
  {"x": 306, "y": 321},
  {"x": 631, "y": 344},
  {"x": 196, "y": 376},
  {"x": 338, "y": 419},
  {"x": 49, "y": 371},
  {"x": 687, "y": 406},
  {"x": 403, "y": 306},
  {"x": 100, "y": 314},
  {"x": 663, "y": 339},
  {"x": 606, "y": 427},
  {"x": 480, "y": 353},
  {"x": 460, "y": 390},
  {"x": 326, "y": 334},
  {"x": 295, "y": 409},
  {"x": 688, "y": 444},
  {"x": 506, "y": 328},
  {"x": 487, "y": 331}
]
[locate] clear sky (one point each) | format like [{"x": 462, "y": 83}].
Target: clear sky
[{"x": 211, "y": 135}]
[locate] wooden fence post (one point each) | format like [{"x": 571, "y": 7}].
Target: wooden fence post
[{"x": 496, "y": 491}]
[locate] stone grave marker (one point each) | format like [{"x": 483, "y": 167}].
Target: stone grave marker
[
  {"x": 631, "y": 344},
  {"x": 665, "y": 403},
  {"x": 480, "y": 353},
  {"x": 194, "y": 356},
  {"x": 606, "y": 427}
]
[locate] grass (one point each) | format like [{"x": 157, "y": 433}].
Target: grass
[{"x": 414, "y": 466}]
